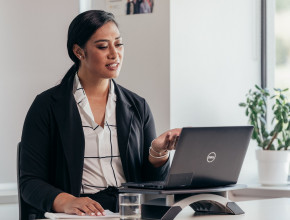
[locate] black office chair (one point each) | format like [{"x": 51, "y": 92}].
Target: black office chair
[{"x": 23, "y": 206}]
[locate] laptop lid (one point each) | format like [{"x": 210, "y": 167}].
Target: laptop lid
[{"x": 208, "y": 156}]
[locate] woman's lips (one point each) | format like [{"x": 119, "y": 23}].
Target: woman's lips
[{"x": 112, "y": 66}]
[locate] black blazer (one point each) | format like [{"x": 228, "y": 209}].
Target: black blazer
[{"x": 52, "y": 144}]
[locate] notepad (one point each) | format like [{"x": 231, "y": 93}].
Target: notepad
[{"x": 56, "y": 216}]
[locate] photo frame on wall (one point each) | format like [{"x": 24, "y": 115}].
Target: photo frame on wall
[{"x": 130, "y": 7}]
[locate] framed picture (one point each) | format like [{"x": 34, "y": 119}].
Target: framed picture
[{"x": 130, "y": 7}]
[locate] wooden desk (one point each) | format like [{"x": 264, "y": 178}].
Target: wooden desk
[{"x": 268, "y": 209}]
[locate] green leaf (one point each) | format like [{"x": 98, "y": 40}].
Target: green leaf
[
  {"x": 265, "y": 134},
  {"x": 243, "y": 104},
  {"x": 247, "y": 111},
  {"x": 273, "y": 107},
  {"x": 282, "y": 97},
  {"x": 273, "y": 120},
  {"x": 257, "y": 87},
  {"x": 287, "y": 142},
  {"x": 278, "y": 102},
  {"x": 278, "y": 127},
  {"x": 283, "y": 136},
  {"x": 284, "y": 90},
  {"x": 266, "y": 142},
  {"x": 254, "y": 135},
  {"x": 272, "y": 147},
  {"x": 253, "y": 117},
  {"x": 288, "y": 127}
]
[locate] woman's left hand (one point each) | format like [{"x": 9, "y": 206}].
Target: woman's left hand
[{"x": 166, "y": 141}]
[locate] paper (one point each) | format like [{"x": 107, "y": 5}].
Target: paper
[
  {"x": 117, "y": 7},
  {"x": 53, "y": 216}
]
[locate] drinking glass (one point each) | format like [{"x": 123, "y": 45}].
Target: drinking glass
[{"x": 130, "y": 206}]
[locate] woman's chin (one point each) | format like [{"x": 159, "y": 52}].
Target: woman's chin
[{"x": 114, "y": 75}]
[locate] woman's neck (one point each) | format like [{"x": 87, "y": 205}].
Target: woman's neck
[{"x": 94, "y": 87}]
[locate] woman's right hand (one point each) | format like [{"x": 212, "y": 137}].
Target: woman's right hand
[{"x": 70, "y": 204}]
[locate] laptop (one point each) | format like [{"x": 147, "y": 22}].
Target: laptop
[{"x": 205, "y": 157}]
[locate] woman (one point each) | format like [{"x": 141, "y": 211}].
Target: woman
[
  {"x": 86, "y": 136},
  {"x": 130, "y": 7},
  {"x": 145, "y": 7}
]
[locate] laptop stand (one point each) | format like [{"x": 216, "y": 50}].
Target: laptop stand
[{"x": 202, "y": 201}]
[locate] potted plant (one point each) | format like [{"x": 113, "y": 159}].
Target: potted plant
[{"x": 274, "y": 140}]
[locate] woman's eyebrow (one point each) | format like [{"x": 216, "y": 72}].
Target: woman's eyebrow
[{"x": 105, "y": 40}]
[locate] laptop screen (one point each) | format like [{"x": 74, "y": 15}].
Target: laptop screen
[{"x": 209, "y": 156}]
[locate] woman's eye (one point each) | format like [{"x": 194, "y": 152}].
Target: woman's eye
[
  {"x": 102, "y": 47},
  {"x": 119, "y": 45}
]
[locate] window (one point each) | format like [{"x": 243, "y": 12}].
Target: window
[{"x": 282, "y": 35}]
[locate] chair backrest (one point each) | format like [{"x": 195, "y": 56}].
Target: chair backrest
[{"x": 23, "y": 207}]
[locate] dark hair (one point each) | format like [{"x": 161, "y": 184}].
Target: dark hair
[{"x": 81, "y": 29}]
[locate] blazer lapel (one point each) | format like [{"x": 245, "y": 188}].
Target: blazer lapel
[
  {"x": 71, "y": 133},
  {"x": 124, "y": 116}
]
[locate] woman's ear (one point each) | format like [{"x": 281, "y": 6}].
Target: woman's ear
[{"x": 78, "y": 52}]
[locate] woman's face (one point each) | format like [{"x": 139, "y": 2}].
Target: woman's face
[{"x": 103, "y": 53}]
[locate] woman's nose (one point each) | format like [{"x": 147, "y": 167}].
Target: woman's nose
[{"x": 112, "y": 53}]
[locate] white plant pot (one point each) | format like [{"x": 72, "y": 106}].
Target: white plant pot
[{"x": 273, "y": 166}]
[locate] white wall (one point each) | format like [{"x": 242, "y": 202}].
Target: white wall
[
  {"x": 33, "y": 58},
  {"x": 145, "y": 69},
  {"x": 214, "y": 61}
]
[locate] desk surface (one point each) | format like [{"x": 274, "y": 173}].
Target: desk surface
[{"x": 267, "y": 209}]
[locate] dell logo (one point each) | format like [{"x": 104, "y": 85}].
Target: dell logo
[{"x": 211, "y": 157}]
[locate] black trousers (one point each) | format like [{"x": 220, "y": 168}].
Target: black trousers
[{"x": 108, "y": 198}]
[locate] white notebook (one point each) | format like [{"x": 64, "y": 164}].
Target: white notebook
[{"x": 53, "y": 216}]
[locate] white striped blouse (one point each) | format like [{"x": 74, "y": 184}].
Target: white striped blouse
[{"x": 102, "y": 162}]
